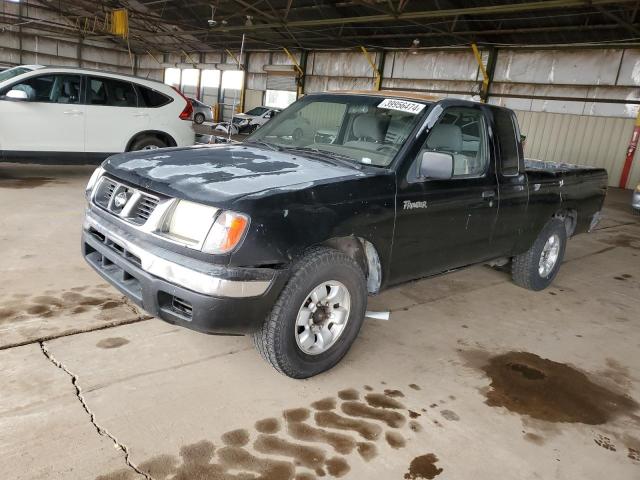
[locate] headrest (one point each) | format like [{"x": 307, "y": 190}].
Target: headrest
[
  {"x": 445, "y": 137},
  {"x": 370, "y": 126}
]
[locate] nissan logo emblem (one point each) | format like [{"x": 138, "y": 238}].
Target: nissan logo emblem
[{"x": 120, "y": 200}]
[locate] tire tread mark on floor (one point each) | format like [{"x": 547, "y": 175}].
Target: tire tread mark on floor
[{"x": 101, "y": 430}]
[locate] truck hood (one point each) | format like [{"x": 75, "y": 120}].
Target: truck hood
[{"x": 220, "y": 174}]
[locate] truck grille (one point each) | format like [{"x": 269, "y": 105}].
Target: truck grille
[
  {"x": 130, "y": 204},
  {"x": 145, "y": 207}
]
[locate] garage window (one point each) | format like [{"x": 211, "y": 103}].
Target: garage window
[
  {"x": 279, "y": 98},
  {"x": 111, "y": 93}
]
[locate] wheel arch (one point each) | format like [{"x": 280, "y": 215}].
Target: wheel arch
[
  {"x": 364, "y": 253},
  {"x": 570, "y": 218},
  {"x": 164, "y": 136}
]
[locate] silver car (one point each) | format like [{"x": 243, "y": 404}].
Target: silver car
[
  {"x": 635, "y": 201},
  {"x": 201, "y": 111}
]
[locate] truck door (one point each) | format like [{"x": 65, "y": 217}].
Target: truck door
[{"x": 444, "y": 224}]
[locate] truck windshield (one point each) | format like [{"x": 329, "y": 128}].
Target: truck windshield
[{"x": 363, "y": 129}]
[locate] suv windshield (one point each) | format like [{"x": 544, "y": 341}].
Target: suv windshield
[
  {"x": 13, "y": 72},
  {"x": 363, "y": 129}
]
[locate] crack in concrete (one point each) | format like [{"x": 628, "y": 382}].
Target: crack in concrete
[{"x": 101, "y": 430}]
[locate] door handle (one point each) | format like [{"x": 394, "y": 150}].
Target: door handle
[
  {"x": 140, "y": 114},
  {"x": 73, "y": 112},
  {"x": 488, "y": 194}
]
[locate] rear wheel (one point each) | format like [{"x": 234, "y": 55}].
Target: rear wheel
[
  {"x": 317, "y": 316},
  {"x": 147, "y": 142},
  {"x": 536, "y": 268}
]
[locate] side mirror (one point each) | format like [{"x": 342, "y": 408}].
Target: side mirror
[
  {"x": 437, "y": 165},
  {"x": 17, "y": 95}
]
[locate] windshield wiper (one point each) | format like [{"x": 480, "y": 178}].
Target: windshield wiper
[
  {"x": 337, "y": 158},
  {"x": 270, "y": 146}
]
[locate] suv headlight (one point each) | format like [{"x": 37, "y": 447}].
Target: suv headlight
[
  {"x": 203, "y": 227},
  {"x": 97, "y": 173}
]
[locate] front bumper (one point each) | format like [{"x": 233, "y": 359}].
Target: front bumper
[{"x": 180, "y": 289}]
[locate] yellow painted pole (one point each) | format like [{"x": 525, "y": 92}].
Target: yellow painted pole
[
  {"x": 485, "y": 75},
  {"x": 378, "y": 77},
  {"x": 300, "y": 72}
]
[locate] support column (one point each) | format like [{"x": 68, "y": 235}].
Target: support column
[
  {"x": 376, "y": 71},
  {"x": 631, "y": 152}
]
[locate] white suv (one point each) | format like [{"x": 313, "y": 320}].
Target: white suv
[{"x": 69, "y": 114}]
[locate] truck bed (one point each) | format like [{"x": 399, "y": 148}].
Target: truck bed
[{"x": 578, "y": 188}]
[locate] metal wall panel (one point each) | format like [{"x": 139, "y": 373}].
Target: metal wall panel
[
  {"x": 278, "y": 81},
  {"x": 340, "y": 64},
  {"x": 577, "y": 67},
  {"x": 431, "y": 65},
  {"x": 579, "y": 139}
]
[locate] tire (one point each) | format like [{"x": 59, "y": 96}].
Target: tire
[
  {"x": 147, "y": 142},
  {"x": 298, "y": 134},
  {"x": 198, "y": 118},
  {"x": 278, "y": 338},
  {"x": 527, "y": 269}
]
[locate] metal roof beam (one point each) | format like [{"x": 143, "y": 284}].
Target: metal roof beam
[
  {"x": 623, "y": 23},
  {"x": 484, "y": 10}
]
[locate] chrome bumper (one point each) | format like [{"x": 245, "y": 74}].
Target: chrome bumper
[{"x": 194, "y": 277}]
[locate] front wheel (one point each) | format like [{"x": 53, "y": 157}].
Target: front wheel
[
  {"x": 317, "y": 316},
  {"x": 536, "y": 268},
  {"x": 198, "y": 118}
]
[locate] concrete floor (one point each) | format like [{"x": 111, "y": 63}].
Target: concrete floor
[{"x": 472, "y": 377}]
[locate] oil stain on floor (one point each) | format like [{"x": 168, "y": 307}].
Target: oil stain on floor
[
  {"x": 423, "y": 466},
  {"x": 303, "y": 444},
  {"x": 7, "y": 181},
  {"x": 55, "y": 303},
  {"x": 527, "y": 384}
]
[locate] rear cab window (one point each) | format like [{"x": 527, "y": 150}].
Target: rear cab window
[{"x": 508, "y": 140}]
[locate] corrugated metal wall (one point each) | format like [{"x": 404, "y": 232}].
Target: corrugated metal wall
[{"x": 579, "y": 139}]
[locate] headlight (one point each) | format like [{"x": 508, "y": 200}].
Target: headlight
[
  {"x": 204, "y": 228},
  {"x": 189, "y": 222},
  {"x": 638, "y": 189},
  {"x": 97, "y": 173},
  {"x": 226, "y": 233}
]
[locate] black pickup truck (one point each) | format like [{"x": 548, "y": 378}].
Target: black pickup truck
[{"x": 342, "y": 195}]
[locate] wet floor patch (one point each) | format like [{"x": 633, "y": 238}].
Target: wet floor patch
[
  {"x": 112, "y": 342},
  {"x": 56, "y": 303},
  {"x": 324, "y": 441},
  {"x": 8, "y": 181},
  {"x": 527, "y": 384},
  {"x": 423, "y": 466}
]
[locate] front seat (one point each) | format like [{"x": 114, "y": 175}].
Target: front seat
[
  {"x": 369, "y": 130},
  {"x": 448, "y": 138}
]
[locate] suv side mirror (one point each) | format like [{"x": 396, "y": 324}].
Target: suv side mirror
[
  {"x": 17, "y": 95},
  {"x": 437, "y": 165}
]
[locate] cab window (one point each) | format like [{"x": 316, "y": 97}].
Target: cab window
[{"x": 461, "y": 132}]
